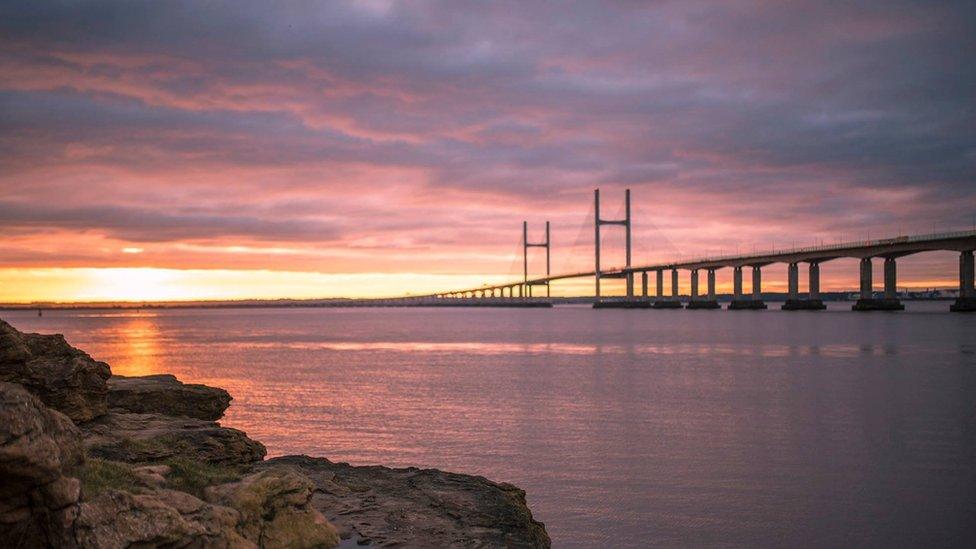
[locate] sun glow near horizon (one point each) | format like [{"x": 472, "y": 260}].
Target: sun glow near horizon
[
  {"x": 138, "y": 284},
  {"x": 150, "y": 284}
]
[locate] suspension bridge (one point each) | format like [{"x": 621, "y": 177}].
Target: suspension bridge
[{"x": 665, "y": 294}]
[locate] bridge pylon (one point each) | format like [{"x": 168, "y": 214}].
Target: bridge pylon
[
  {"x": 525, "y": 257},
  {"x": 598, "y": 222}
]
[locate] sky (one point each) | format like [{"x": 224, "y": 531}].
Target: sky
[{"x": 223, "y": 150}]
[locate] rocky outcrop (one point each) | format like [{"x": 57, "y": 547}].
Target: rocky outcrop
[
  {"x": 64, "y": 378},
  {"x": 164, "y": 394},
  {"x": 38, "y": 501},
  {"x": 161, "y": 473},
  {"x": 418, "y": 507},
  {"x": 141, "y": 438},
  {"x": 268, "y": 509},
  {"x": 276, "y": 510},
  {"x": 119, "y": 519}
]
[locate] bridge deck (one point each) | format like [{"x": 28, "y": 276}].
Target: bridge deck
[{"x": 888, "y": 247}]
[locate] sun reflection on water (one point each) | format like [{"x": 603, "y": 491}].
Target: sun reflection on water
[{"x": 136, "y": 346}]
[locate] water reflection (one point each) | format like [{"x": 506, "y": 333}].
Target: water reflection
[
  {"x": 134, "y": 345},
  {"x": 745, "y": 349},
  {"x": 626, "y": 430}
]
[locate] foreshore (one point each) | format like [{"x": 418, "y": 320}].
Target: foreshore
[{"x": 88, "y": 459}]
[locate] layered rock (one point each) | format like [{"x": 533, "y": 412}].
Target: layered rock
[
  {"x": 267, "y": 509},
  {"x": 139, "y": 438},
  {"x": 164, "y": 394},
  {"x": 276, "y": 509},
  {"x": 63, "y": 377},
  {"x": 119, "y": 519},
  {"x": 38, "y": 446},
  {"x": 418, "y": 507}
]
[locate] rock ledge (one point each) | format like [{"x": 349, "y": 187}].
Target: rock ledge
[{"x": 93, "y": 461}]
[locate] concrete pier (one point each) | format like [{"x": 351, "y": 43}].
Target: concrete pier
[
  {"x": 793, "y": 300},
  {"x": 709, "y": 302},
  {"x": 814, "y": 281},
  {"x": 756, "y": 302},
  {"x": 966, "y": 303},
  {"x": 867, "y": 302},
  {"x": 673, "y": 302},
  {"x": 793, "y": 281},
  {"x": 757, "y": 283}
]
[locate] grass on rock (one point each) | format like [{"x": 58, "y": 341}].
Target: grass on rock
[
  {"x": 98, "y": 475},
  {"x": 194, "y": 476}
]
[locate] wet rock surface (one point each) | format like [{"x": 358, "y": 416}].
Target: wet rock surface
[
  {"x": 137, "y": 438},
  {"x": 63, "y": 377},
  {"x": 38, "y": 447},
  {"x": 164, "y": 394},
  {"x": 418, "y": 507}
]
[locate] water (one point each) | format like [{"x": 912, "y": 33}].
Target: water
[{"x": 626, "y": 428}]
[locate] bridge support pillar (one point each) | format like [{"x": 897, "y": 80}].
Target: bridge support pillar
[
  {"x": 890, "y": 279},
  {"x": 867, "y": 289},
  {"x": 793, "y": 301},
  {"x": 814, "y": 282},
  {"x": 867, "y": 302},
  {"x": 644, "y": 284},
  {"x": 793, "y": 280},
  {"x": 757, "y": 283},
  {"x": 966, "y": 303},
  {"x": 709, "y": 302},
  {"x": 756, "y": 301},
  {"x": 673, "y": 302}
]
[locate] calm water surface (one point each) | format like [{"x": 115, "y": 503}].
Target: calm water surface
[{"x": 626, "y": 428}]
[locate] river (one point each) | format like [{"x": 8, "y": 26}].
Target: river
[{"x": 626, "y": 428}]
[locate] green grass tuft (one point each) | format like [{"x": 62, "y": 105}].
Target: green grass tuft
[
  {"x": 98, "y": 475},
  {"x": 194, "y": 476}
]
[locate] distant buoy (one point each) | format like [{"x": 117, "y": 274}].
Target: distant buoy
[{"x": 39, "y": 313}]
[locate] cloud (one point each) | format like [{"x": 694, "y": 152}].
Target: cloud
[{"x": 412, "y": 127}]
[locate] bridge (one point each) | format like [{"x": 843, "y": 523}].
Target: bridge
[{"x": 519, "y": 293}]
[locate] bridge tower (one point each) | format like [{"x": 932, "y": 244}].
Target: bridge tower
[
  {"x": 525, "y": 256},
  {"x": 626, "y": 224}
]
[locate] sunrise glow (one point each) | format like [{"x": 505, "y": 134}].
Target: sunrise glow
[{"x": 358, "y": 151}]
